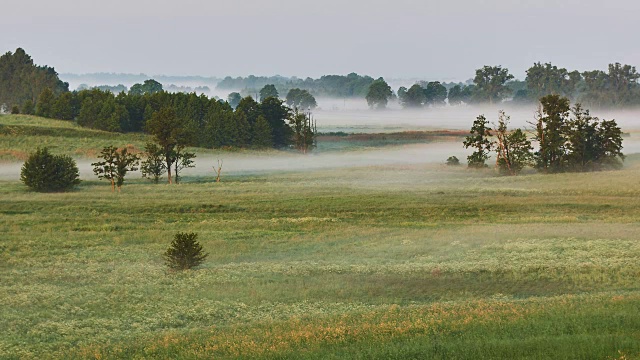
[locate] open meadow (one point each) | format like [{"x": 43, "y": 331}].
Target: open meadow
[{"x": 374, "y": 260}]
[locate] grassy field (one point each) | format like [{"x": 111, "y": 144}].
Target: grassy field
[{"x": 394, "y": 262}]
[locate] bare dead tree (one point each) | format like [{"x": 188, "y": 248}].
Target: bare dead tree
[{"x": 218, "y": 170}]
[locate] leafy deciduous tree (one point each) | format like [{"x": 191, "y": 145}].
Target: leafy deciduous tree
[
  {"x": 154, "y": 164},
  {"x": 479, "y": 140},
  {"x": 379, "y": 94},
  {"x": 490, "y": 83}
]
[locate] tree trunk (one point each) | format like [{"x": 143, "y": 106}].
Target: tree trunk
[{"x": 168, "y": 161}]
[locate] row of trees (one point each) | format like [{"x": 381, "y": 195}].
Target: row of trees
[
  {"x": 204, "y": 122},
  {"x": 296, "y": 98},
  {"x": 351, "y": 85},
  {"x": 569, "y": 139}
]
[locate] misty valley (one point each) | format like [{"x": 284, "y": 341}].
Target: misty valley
[{"x": 273, "y": 217}]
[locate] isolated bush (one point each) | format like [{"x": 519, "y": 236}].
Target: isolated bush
[
  {"x": 453, "y": 161},
  {"x": 185, "y": 252},
  {"x": 15, "y": 110},
  {"x": 47, "y": 173}
]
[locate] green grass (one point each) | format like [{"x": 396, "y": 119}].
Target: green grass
[
  {"x": 21, "y": 134},
  {"x": 404, "y": 262},
  {"x": 393, "y": 262}
]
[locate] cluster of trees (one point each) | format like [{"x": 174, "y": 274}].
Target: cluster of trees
[
  {"x": 617, "y": 87},
  {"x": 21, "y": 81},
  {"x": 569, "y": 139},
  {"x": 199, "y": 120},
  {"x": 494, "y": 84},
  {"x": 205, "y": 122},
  {"x": 351, "y": 85}
]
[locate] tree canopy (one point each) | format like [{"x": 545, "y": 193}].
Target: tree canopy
[{"x": 21, "y": 80}]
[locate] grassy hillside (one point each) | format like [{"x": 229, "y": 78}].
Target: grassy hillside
[
  {"x": 21, "y": 134},
  {"x": 394, "y": 262}
]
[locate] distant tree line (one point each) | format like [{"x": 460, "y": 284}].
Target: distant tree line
[
  {"x": 616, "y": 87},
  {"x": 341, "y": 86},
  {"x": 568, "y": 138}
]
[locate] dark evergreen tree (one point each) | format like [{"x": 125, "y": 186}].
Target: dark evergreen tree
[
  {"x": 550, "y": 134},
  {"x": 185, "y": 252},
  {"x": 62, "y": 108},
  {"x": 46, "y": 172},
  {"x": 21, "y": 80},
  {"x": 276, "y": 114},
  {"x": 45, "y": 103},
  {"x": 261, "y": 134}
]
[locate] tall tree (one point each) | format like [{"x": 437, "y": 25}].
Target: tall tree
[
  {"x": 549, "y": 133},
  {"x": 479, "y": 140},
  {"x": 167, "y": 130},
  {"x": 379, "y": 94},
  {"x": 491, "y": 82},
  {"x": 276, "y": 113}
]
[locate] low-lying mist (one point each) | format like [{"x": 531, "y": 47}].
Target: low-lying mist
[{"x": 353, "y": 115}]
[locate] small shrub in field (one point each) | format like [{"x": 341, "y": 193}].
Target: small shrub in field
[
  {"x": 453, "y": 161},
  {"x": 15, "y": 110},
  {"x": 185, "y": 252},
  {"x": 47, "y": 173}
]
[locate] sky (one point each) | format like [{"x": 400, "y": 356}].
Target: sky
[{"x": 431, "y": 40}]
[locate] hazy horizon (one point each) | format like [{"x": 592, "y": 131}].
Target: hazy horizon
[{"x": 402, "y": 40}]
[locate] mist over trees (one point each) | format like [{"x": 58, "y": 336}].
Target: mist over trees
[
  {"x": 340, "y": 86},
  {"x": 379, "y": 94}
]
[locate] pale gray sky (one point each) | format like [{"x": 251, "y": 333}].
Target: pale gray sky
[{"x": 401, "y": 38}]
